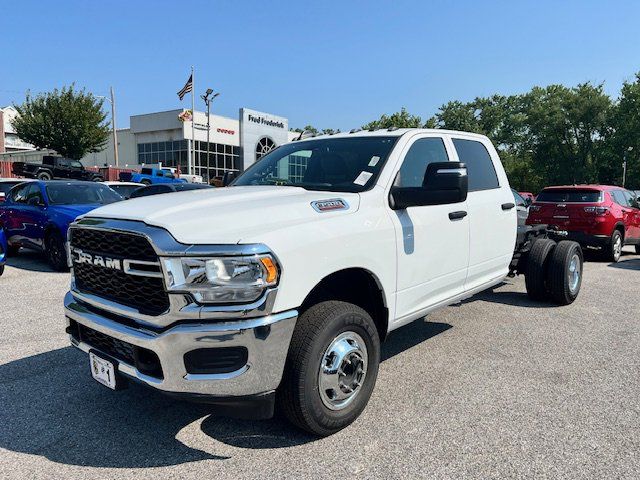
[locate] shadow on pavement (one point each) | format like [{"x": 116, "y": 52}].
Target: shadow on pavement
[
  {"x": 631, "y": 264},
  {"x": 52, "y": 407},
  {"x": 29, "y": 260}
]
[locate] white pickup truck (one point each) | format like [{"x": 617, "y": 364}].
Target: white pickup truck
[{"x": 279, "y": 289}]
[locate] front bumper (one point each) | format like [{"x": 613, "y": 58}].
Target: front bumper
[{"x": 266, "y": 339}]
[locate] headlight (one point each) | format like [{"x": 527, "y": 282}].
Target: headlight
[{"x": 221, "y": 279}]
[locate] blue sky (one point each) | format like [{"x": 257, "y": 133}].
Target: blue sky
[{"x": 330, "y": 64}]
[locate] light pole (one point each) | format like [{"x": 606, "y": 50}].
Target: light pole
[
  {"x": 112, "y": 101},
  {"x": 207, "y": 100},
  {"x": 624, "y": 165}
]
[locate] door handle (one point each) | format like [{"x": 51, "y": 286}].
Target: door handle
[
  {"x": 508, "y": 206},
  {"x": 457, "y": 215}
]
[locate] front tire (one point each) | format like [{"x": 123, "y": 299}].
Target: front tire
[
  {"x": 331, "y": 367},
  {"x": 56, "y": 252}
]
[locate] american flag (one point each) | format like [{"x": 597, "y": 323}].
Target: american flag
[{"x": 188, "y": 87}]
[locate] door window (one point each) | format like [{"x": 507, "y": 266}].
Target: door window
[
  {"x": 19, "y": 194},
  {"x": 33, "y": 192},
  {"x": 619, "y": 198},
  {"x": 414, "y": 166},
  {"x": 632, "y": 201},
  {"x": 480, "y": 169}
]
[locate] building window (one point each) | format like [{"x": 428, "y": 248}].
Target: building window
[
  {"x": 264, "y": 146},
  {"x": 221, "y": 158}
]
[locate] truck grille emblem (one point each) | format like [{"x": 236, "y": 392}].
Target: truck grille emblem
[{"x": 79, "y": 256}]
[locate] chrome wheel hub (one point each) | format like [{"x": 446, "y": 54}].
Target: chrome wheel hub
[
  {"x": 617, "y": 248},
  {"x": 574, "y": 273},
  {"x": 343, "y": 368}
]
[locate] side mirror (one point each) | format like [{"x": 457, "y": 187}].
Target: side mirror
[
  {"x": 444, "y": 183},
  {"x": 228, "y": 177}
]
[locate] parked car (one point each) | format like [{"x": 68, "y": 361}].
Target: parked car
[
  {"x": 289, "y": 280},
  {"x": 3, "y": 250},
  {"x": 37, "y": 215},
  {"x": 522, "y": 207},
  {"x": 168, "y": 188},
  {"x": 7, "y": 184},
  {"x": 124, "y": 189},
  {"x": 596, "y": 216},
  {"x": 528, "y": 196},
  {"x": 152, "y": 176},
  {"x": 55, "y": 168}
]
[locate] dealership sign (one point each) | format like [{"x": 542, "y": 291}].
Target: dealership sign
[{"x": 260, "y": 133}]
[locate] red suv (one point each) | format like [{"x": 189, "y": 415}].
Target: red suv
[{"x": 596, "y": 216}]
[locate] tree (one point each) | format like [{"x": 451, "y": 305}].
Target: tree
[
  {"x": 624, "y": 133},
  {"x": 69, "y": 121},
  {"x": 401, "y": 119}
]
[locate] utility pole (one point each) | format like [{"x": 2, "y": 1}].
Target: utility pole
[
  {"x": 207, "y": 100},
  {"x": 624, "y": 165},
  {"x": 113, "y": 126}
]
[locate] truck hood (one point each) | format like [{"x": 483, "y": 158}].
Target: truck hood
[{"x": 226, "y": 215}]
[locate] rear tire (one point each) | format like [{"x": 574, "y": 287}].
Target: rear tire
[
  {"x": 564, "y": 276},
  {"x": 535, "y": 277},
  {"x": 615, "y": 247},
  {"x": 44, "y": 176},
  {"x": 146, "y": 183},
  {"x": 56, "y": 252},
  {"x": 331, "y": 367}
]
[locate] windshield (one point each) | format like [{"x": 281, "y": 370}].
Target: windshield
[
  {"x": 336, "y": 164},
  {"x": 80, "y": 194},
  {"x": 125, "y": 190},
  {"x": 569, "y": 195}
]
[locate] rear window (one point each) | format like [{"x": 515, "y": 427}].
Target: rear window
[
  {"x": 480, "y": 169},
  {"x": 569, "y": 195}
]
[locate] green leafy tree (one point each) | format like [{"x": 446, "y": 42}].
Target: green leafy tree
[
  {"x": 69, "y": 121},
  {"x": 623, "y": 138},
  {"x": 401, "y": 119}
]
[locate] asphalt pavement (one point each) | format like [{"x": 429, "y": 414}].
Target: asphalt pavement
[{"x": 497, "y": 386}]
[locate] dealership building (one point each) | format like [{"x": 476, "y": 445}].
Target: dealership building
[{"x": 165, "y": 137}]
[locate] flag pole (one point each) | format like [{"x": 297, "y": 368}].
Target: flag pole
[{"x": 193, "y": 121}]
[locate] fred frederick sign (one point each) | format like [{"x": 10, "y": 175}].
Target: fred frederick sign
[{"x": 259, "y": 133}]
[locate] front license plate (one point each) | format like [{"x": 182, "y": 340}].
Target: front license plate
[{"x": 102, "y": 370}]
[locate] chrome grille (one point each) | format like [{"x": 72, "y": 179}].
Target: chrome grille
[{"x": 145, "y": 294}]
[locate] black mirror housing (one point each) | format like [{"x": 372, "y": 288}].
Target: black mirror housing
[
  {"x": 228, "y": 177},
  {"x": 444, "y": 183}
]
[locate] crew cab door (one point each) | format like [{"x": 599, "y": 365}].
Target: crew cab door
[
  {"x": 492, "y": 212},
  {"x": 432, "y": 241},
  {"x": 35, "y": 216}
]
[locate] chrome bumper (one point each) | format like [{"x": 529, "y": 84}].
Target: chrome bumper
[{"x": 266, "y": 339}]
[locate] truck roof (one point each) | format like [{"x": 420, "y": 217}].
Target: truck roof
[
  {"x": 391, "y": 132},
  {"x": 584, "y": 186}
]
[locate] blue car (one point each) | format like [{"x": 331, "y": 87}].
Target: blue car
[
  {"x": 3, "y": 251},
  {"x": 36, "y": 215}
]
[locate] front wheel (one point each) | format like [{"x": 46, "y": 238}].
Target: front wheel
[
  {"x": 56, "y": 252},
  {"x": 331, "y": 368},
  {"x": 145, "y": 182}
]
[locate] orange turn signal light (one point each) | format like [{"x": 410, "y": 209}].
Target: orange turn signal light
[{"x": 270, "y": 267}]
